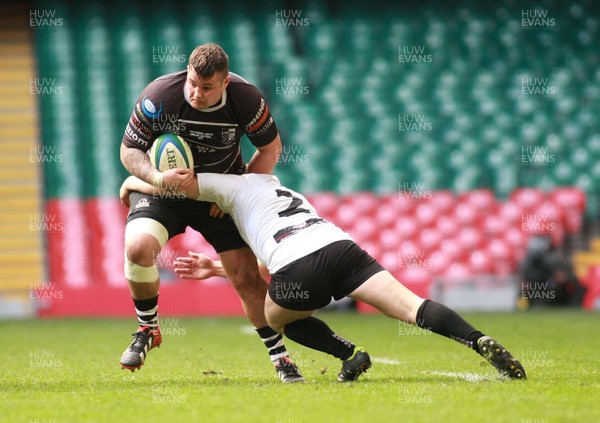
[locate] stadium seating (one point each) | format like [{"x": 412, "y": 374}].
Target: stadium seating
[
  {"x": 357, "y": 89},
  {"x": 484, "y": 198}
]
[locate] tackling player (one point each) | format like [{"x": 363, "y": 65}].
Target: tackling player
[
  {"x": 311, "y": 260},
  {"x": 211, "y": 108}
]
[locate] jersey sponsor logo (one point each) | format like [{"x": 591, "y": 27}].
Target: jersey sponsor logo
[
  {"x": 202, "y": 149},
  {"x": 149, "y": 108},
  {"x": 227, "y": 136},
  {"x": 140, "y": 114},
  {"x": 139, "y": 126},
  {"x": 201, "y": 135},
  {"x": 142, "y": 202},
  {"x": 291, "y": 230},
  {"x": 135, "y": 136},
  {"x": 263, "y": 129},
  {"x": 260, "y": 116}
]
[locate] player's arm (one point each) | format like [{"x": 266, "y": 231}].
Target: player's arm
[
  {"x": 137, "y": 162},
  {"x": 199, "y": 266},
  {"x": 213, "y": 187},
  {"x": 133, "y": 183},
  {"x": 260, "y": 128},
  {"x": 265, "y": 158},
  {"x": 137, "y": 139}
]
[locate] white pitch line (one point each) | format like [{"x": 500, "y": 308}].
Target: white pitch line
[
  {"x": 469, "y": 377},
  {"x": 247, "y": 330},
  {"x": 384, "y": 360}
]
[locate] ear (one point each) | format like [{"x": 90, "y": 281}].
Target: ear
[{"x": 226, "y": 81}]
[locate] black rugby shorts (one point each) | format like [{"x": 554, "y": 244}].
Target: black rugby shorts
[{"x": 333, "y": 271}]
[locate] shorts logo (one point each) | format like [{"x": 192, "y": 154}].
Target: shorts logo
[
  {"x": 228, "y": 136},
  {"x": 142, "y": 202},
  {"x": 149, "y": 108}
]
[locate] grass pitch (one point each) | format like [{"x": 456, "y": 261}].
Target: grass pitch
[{"x": 217, "y": 370}]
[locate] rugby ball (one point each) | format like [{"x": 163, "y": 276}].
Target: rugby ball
[{"x": 170, "y": 151}]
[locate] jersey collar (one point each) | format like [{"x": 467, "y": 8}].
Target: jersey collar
[{"x": 208, "y": 109}]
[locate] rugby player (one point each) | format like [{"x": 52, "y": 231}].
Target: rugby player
[
  {"x": 310, "y": 261},
  {"x": 211, "y": 108}
]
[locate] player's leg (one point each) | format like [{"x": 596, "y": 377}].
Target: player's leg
[
  {"x": 314, "y": 333},
  {"x": 242, "y": 270},
  {"x": 304, "y": 286},
  {"x": 144, "y": 238},
  {"x": 385, "y": 293},
  {"x": 240, "y": 265}
]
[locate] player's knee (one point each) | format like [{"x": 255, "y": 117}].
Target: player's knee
[
  {"x": 144, "y": 239},
  {"x": 272, "y": 317},
  {"x": 141, "y": 248}
]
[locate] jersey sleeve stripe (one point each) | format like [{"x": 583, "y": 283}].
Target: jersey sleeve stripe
[{"x": 261, "y": 120}]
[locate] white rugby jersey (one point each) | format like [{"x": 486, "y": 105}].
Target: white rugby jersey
[{"x": 278, "y": 224}]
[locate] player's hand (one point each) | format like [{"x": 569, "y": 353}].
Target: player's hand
[
  {"x": 174, "y": 179},
  {"x": 124, "y": 192},
  {"x": 215, "y": 211},
  {"x": 195, "y": 266}
]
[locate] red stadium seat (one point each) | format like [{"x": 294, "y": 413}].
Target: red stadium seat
[
  {"x": 501, "y": 254},
  {"x": 69, "y": 259},
  {"x": 373, "y": 248},
  {"x": 572, "y": 202},
  {"x": 511, "y": 213},
  {"x": 105, "y": 218},
  {"x": 480, "y": 262},
  {"x": 483, "y": 200},
  {"x": 443, "y": 201},
  {"x": 470, "y": 238},
  {"x": 439, "y": 262},
  {"x": 387, "y": 215},
  {"x": 326, "y": 203},
  {"x": 345, "y": 216},
  {"x": 365, "y": 203},
  {"x": 516, "y": 240},
  {"x": 191, "y": 240},
  {"x": 527, "y": 198},
  {"x": 364, "y": 229},
  {"x": 415, "y": 276},
  {"x": 406, "y": 227},
  {"x": 466, "y": 214},
  {"x": 573, "y": 221},
  {"x": 494, "y": 225},
  {"x": 389, "y": 260},
  {"x": 403, "y": 204},
  {"x": 426, "y": 214},
  {"x": 408, "y": 248},
  {"x": 568, "y": 198},
  {"x": 429, "y": 239},
  {"x": 390, "y": 240},
  {"x": 447, "y": 226},
  {"x": 452, "y": 249},
  {"x": 499, "y": 250}
]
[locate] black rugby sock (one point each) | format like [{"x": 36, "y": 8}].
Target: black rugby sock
[
  {"x": 274, "y": 343},
  {"x": 314, "y": 333},
  {"x": 147, "y": 312},
  {"x": 442, "y": 320}
]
